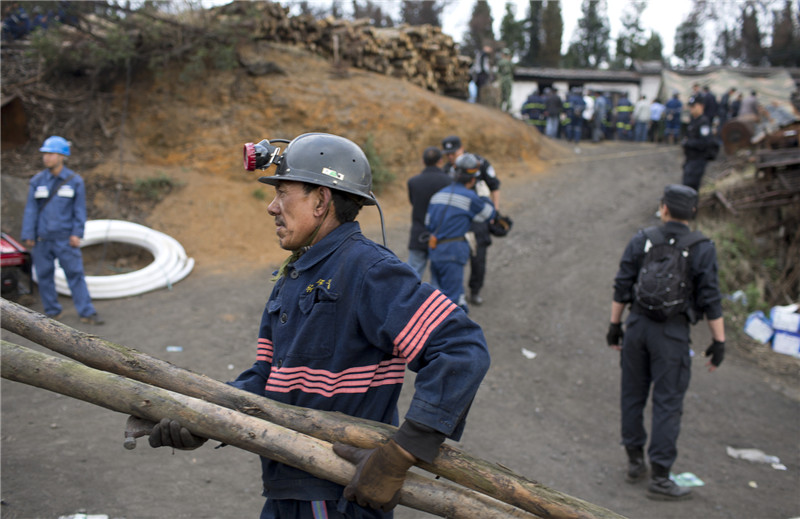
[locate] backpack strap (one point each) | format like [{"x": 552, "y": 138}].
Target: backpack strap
[
  {"x": 689, "y": 240},
  {"x": 654, "y": 234}
]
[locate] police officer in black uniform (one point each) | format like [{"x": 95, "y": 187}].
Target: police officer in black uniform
[
  {"x": 697, "y": 143},
  {"x": 656, "y": 353},
  {"x": 452, "y": 149}
]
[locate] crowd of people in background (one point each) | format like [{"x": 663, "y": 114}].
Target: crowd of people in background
[
  {"x": 588, "y": 114},
  {"x": 18, "y": 22}
]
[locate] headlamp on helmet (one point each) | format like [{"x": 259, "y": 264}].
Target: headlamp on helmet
[{"x": 262, "y": 155}]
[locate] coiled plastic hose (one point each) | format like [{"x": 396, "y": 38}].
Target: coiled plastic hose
[{"x": 169, "y": 265}]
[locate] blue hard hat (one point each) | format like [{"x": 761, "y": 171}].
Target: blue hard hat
[{"x": 56, "y": 144}]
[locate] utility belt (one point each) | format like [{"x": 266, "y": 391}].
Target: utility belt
[
  {"x": 433, "y": 241},
  {"x": 469, "y": 237},
  {"x": 688, "y": 314}
]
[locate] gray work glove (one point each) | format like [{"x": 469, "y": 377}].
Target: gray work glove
[{"x": 170, "y": 433}]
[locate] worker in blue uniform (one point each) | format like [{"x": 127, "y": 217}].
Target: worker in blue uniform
[
  {"x": 623, "y": 113},
  {"x": 451, "y": 213},
  {"x": 344, "y": 320},
  {"x": 574, "y": 107},
  {"x": 656, "y": 353},
  {"x": 487, "y": 186},
  {"x": 52, "y": 227},
  {"x": 672, "y": 116},
  {"x": 533, "y": 111}
]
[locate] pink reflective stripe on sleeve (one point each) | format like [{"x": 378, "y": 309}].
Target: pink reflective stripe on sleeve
[{"x": 430, "y": 314}]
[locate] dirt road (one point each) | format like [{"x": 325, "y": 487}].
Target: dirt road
[{"x": 553, "y": 418}]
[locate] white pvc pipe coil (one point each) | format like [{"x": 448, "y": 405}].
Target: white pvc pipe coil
[{"x": 169, "y": 265}]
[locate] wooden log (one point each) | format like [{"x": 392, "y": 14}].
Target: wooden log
[
  {"x": 451, "y": 463},
  {"x": 315, "y": 456}
]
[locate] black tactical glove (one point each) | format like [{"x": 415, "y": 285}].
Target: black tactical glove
[
  {"x": 615, "y": 334},
  {"x": 380, "y": 474},
  {"x": 170, "y": 433},
  {"x": 717, "y": 352}
]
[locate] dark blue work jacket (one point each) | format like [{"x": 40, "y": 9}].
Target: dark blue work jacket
[{"x": 337, "y": 333}]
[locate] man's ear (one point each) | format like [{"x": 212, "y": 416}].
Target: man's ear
[{"x": 324, "y": 198}]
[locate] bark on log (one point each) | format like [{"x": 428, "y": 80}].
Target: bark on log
[
  {"x": 462, "y": 468},
  {"x": 234, "y": 428}
]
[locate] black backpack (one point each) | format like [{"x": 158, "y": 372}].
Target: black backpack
[{"x": 663, "y": 288}]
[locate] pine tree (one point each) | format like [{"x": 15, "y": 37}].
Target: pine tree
[
  {"x": 653, "y": 48},
  {"x": 589, "y": 47},
  {"x": 512, "y": 31},
  {"x": 752, "y": 52},
  {"x": 416, "y": 12},
  {"x": 727, "y": 47},
  {"x": 373, "y": 12},
  {"x": 480, "y": 31},
  {"x": 553, "y": 31},
  {"x": 689, "y": 46},
  {"x": 533, "y": 29},
  {"x": 784, "y": 51},
  {"x": 631, "y": 37}
]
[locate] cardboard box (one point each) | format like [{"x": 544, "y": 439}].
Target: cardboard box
[
  {"x": 785, "y": 318},
  {"x": 758, "y": 327},
  {"x": 787, "y": 343}
]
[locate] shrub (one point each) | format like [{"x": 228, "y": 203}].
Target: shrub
[{"x": 381, "y": 176}]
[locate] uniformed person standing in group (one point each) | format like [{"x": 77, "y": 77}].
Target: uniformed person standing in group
[
  {"x": 672, "y": 129},
  {"x": 622, "y": 113},
  {"x": 657, "y": 353},
  {"x": 533, "y": 111},
  {"x": 421, "y": 188},
  {"x": 696, "y": 144},
  {"x": 487, "y": 185}
]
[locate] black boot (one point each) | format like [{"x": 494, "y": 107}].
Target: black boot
[
  {"x": 664, "y": 489},
  {"x": 637, "y": 468}
]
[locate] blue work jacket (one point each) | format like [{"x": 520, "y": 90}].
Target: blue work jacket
[
  {"x": 451, "y": 213},
  {"x": 337, "y": 333},
  {"x": 63, "y": 216}
]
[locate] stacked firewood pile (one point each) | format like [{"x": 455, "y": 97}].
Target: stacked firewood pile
[{"x": 422, "y": 55}]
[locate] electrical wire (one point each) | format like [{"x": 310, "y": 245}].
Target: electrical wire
[{"x": 170, "y": 263}]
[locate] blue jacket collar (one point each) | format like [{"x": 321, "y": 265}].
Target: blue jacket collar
[{"x": 322, "y": 249}]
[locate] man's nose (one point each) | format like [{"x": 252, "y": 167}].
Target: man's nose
[{"x": 272, "y": 208}]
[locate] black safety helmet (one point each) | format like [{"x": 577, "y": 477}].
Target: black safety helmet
[
  {"x": 467, "y": 166},
  {"x": 325, "y": 160}
]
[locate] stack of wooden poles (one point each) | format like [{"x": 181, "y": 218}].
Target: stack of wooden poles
[{"x": 127, "y": 381}]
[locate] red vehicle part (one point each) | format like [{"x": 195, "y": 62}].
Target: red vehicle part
[{"x": 13, "y": 255}]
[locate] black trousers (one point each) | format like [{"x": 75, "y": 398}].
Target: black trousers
[
  {"x": 693, "y": 170},
  {"x": 477, "y": 263},
  {"x": 654, "y": 355}
]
